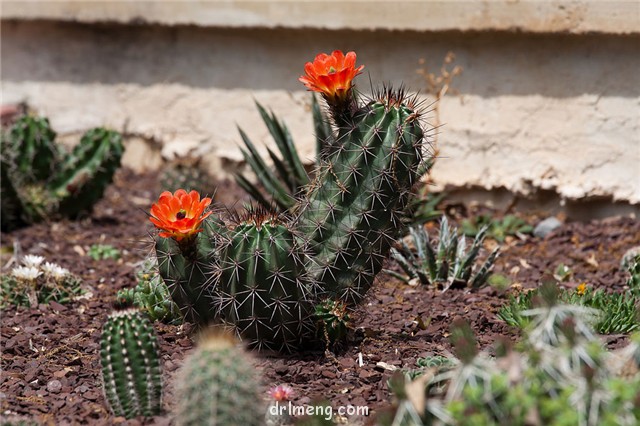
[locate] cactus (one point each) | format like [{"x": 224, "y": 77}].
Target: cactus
[
  {"x": 131, "y": 372},
  {"x": 150, "y": 295},
  {"x": 450, "y": 262},
  {"x": 265, "y": 273},
  {"x": 218, "y": 386},
  {"x": 261, "y": 286},
  {"x": 352, "y": 210},
  {"x": 35, "y": 281},
  {"x": 41, "y": 181}
]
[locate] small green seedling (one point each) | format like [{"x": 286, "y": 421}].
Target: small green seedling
[{"x": 103, "y": 251}]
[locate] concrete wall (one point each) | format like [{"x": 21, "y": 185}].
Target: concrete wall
[{"x": 535, "y": 110}]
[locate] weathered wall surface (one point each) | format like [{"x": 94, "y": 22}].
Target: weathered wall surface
[{"x": 538, "y": 110}]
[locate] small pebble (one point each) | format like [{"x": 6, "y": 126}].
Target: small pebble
[
  {"x": 54, "y": 386},
  {"x": 545, "y": 227}
]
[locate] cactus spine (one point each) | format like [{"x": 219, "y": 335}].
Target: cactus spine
[
  {"x": 131, "y": 373},
  {"x": 218, "y": 386},
  {"x": 41, "y": 181}
]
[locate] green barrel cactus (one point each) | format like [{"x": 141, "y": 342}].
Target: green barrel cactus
[
  {"x": 42, "y": 181},
  {"x": 131, "y": 372},
  {"x": 218, "y": 385},
  {"x": 261, "y": 285}
]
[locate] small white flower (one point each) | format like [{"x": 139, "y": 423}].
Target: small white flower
[
  {"x": 55, "y": 271},
  {"x": 49, "y": 267},
  {"x": 29, "y": 273},
  {"x": 60, "y": 273},
  {"x": 32, "y": 260}
]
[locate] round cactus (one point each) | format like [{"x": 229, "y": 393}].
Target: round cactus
[
  {"x": 218, "y": 386},
  {"x": 262, "y": 287},
  {"x": 131, "y": 373}
]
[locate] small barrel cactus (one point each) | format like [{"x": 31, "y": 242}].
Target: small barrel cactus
[
  {"x": 131, "y": 372},
  {"x": 262, "y": 287},
  {"x": 218, "y": 386}
]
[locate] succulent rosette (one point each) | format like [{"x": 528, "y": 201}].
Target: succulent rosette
[{"x": 179, "y": 215}]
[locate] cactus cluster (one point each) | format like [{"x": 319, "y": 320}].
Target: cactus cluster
[
  {"x": 218, "y": 385},
  {"x": 263, "y": 273},
  {"x": 42, "y": 181},
  {"x": 449, "y": 263},
  {"x": 131, "y": 372},
  {"x": 559, "y": 375},
  {"x": 150, "y": 295},
  {"x": 35, "y": 281}
]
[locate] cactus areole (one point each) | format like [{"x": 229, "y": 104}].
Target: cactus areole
[{"x": 264, "y": 274}]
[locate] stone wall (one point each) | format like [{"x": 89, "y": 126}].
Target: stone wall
[{"x": 553, "y": 107}]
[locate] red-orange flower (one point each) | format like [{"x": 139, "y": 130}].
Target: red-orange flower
[
  {"x": 179, "y": 215},
  {"x": 331, "y": 75}
]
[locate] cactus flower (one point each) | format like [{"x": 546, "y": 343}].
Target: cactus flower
[
  {"x": 331, "y": 75},
  {"x": 179, "y": 215},
  {"x": 281, "y": 393}
]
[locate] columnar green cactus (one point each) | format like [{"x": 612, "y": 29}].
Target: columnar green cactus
[
  {"x": 218, "y": 386},
  {"x": 131, "y": 372},
  {"x": 353, "y": 209},
  {"x": 262, "y": 286},
  {"x": 40, "y": 180}
]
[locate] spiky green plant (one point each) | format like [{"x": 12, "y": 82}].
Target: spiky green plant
[
  {"x": 288, "y": 176},
  {"x": 218, "y": 385},
  {"x": 559, "y": 375},
  {"x": 332, "y": 317},
  {"x": 151, "y": 295},
  {"x": 449, "y": 263},
  {"x": 131, "y": 371},
  {"x": 41, "y": 181},
  {"x": 35, "y": 281},
  {"x": 352, "y": 211},
  {"x": 618, "y": 312},
  {"x": 264, "y": 273},
  {"x": 261, "y": 285}
]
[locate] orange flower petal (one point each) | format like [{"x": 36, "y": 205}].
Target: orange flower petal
[
  {"x": 165, "y": 213},
  {"x": 331, "y": 75}
]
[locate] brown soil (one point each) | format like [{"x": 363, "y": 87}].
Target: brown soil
[{"x": 395, "y": 325}]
